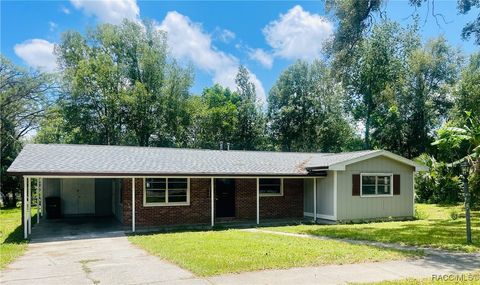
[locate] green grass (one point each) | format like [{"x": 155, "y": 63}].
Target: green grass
[
  {"x": 454, "y": 279},
  {"x": 210, "y": 253},
  {"x": 436, "y": 230},
  {"x": 12, "y": 243}
]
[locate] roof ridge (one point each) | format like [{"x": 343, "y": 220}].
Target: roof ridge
[{"x": 176, "y": 148}]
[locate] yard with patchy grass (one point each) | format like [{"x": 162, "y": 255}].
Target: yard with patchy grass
[
  {"x": 12, "y": 243},
  {"x": 208, "y": 253},
  {"x": 435, "y": 229},
  {"x": 454, "y": 279}
]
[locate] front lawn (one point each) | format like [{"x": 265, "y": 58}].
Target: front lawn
[
  {"x": 209, "y": 253},
  {"x": 437, "y": 229},
  {"x": 12, "y": 243}
]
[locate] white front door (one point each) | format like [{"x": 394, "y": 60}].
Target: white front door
[{"x": 78, "y": 196}]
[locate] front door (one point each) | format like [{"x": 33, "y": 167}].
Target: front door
[{"x": 225, "y": 197}]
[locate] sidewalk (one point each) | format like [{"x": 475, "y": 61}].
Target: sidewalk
[{"x": 435, "y": 262}]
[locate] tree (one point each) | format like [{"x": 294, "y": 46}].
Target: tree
[
  {"x": 463, "y": 7},
  {"x": 354, "y": 18},
  {"x": 306, "y": 110},
  {"x": 24, "y": 97},
  {"x": 432, "y": 72},
  {"x": 219, "y": 117},
  {"x": 471, "y": 28},
  {"x": 371, "y": 80},
  {"x": 467, "y": 92},
  {"x": 121, "y": 87},
  {"x": 250, "y": 118}
]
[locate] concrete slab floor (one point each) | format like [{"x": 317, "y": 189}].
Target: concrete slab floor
[{"x": 75, "y": 228}]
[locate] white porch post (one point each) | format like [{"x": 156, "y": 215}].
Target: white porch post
[
  {"x": 258, "y": 200},
  {"x": 315, "y": 199},
  {"x": 133, "y": 204},
  {"x": 25, "y": 220},
  {"x": 29, "y": 206},
  {"x": 212, "y": 194},
  {"x": 335, "y": 194},
  {"x": 41, "y": 197},
  {"x": 37, "y": 191}
]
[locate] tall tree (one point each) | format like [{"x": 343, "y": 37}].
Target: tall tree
[
  {"x": 306, "y": 110},
  {"x": 354, "y": 18},
  {"x": 121, "y": 87},
  {"x": 250, "y": 118},
  {"x": 432, "y": 72},
  {"x": 375, "y": 70},
  {"x": 24, "y": 97},
  {"x": 467, "y": 92},
  {"x": 215, "y": 117}
]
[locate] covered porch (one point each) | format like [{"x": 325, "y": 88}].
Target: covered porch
[{"x": 219, "y": 201}]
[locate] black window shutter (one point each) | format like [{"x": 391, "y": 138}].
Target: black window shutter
[
  {"x": 356, "y": 185},
  {"x": 396, "y": 184}
]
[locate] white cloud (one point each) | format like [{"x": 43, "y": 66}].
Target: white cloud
[
  {"x": 37, "y": 53},
  {"x": 188, "y": 41},
  {"x": 262, "y": 57},
  {"x": 65, "y": 10},
  {"x": 109, "y": 11},
  {"x": 298, "y": 34},
  {"x": 53, "y": 26},
  {"x": 224, "y": 35}
]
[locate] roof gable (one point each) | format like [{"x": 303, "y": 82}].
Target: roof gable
[{"x": 340, "y": 161}]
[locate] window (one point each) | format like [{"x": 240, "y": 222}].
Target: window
[
  {"x": 271, "y": 186},
  {"x": 376, "y": 184},
  {"x": 166, "y": 191}
]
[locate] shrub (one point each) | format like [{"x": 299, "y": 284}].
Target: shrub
[{"x": 438, "y": 185}]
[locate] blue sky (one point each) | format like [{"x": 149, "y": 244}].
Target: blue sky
[{"x": 213, "y": 36}]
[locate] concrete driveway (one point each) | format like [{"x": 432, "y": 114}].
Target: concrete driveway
[{"x": 107, "y": 259}]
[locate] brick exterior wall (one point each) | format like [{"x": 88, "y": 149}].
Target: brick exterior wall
[
  {"x": 290, "y": 205},
  {"x": 198, "y": 212}
]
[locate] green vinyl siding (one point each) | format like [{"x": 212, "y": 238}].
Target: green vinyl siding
[{"x": 356, "y": 208}]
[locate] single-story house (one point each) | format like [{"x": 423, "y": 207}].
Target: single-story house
[{"x": 154, "y": 187}]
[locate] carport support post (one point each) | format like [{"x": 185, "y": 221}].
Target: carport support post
[
  {"x": 314, "y": 199},
  {"x": 41, "y": 196},
  {"x": 212, "y": 194},
  {"x": 37, "y": 191},
  {"x": 29, "y": 206},
  {"x": 24, "y": 206},
  {"x": 133, "y": 205},
  {"x": 258, "y": 201}
]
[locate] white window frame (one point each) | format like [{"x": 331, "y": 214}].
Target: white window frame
[
  {"x": 166, "y": 203},
  {"x": 271, "y": 194},
  {"x": 376, "y": 185}
]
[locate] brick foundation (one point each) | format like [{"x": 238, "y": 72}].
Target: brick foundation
[{"x": 290, "y": 205}]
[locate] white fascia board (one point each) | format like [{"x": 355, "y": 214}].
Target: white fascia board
[{"x": 342, "y": 165}]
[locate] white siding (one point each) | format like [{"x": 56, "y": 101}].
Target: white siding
[{"x": 325, "y": 199}]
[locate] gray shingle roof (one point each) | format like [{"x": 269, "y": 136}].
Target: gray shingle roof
[{"x": 55, "y": 159}]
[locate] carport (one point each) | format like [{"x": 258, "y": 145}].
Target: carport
[{"x": 70, "y": 204}]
